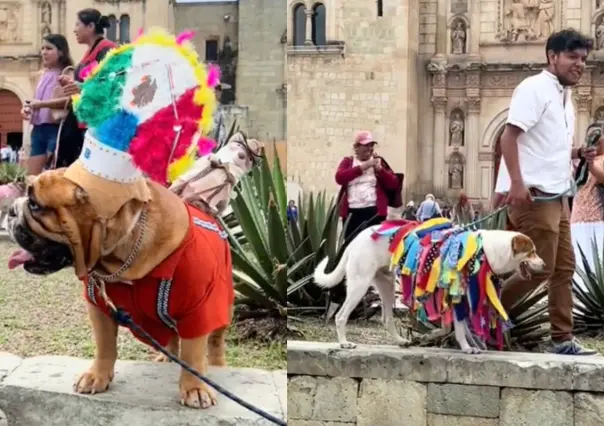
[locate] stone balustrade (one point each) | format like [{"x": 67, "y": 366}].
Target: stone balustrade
[
  {"x": 38, "y": 392},
  {"x": 386, "y": 385}
]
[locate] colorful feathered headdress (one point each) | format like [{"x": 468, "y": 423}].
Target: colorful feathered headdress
[
  {"x": 148, "y": 106},
  {"x": 151, "y": 99}
]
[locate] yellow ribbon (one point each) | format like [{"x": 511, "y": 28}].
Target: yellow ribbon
[
  {"x": 492, "y": 296},
  {"x": 470, "y": 250}
]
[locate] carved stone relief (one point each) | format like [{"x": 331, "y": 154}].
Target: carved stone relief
[
  {"x": 9, "y": 22},
  {"x": 458, "y": 37},
  {"x": 459, "y": 6},
  {"x": 527, "y": 20},
  {"x": 46, "y": 13},
  {"x": 456, "y": 170},
  {"x": 456, "y": 128},
  {"x": 600, "y": 33},
  {"x": 46, "y": 30},
  {"x": 599, "y": 114},
  {"x": 505, "y": 79}
]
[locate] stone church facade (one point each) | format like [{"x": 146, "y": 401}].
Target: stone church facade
[{"x": 431, "y": 78}]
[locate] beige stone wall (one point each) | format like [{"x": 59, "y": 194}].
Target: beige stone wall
[
  {"x": 260, "y": 84},
  {"x": 390, "y": 386},
  {"x": 369, "y": 86},
  {"x": 208, "y": 21}
]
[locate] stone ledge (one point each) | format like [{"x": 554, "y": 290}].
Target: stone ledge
[
  {"x": 38, "y": 391},
  {"x": 502, "y": 369}
]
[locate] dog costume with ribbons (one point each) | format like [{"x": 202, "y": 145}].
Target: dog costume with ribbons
[
  {"x": 148, "y": 105},
  {"x": 442, "y": 270}
]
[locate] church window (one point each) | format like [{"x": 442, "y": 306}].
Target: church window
[
  {"x": 112, "y": 30},
  {"x": 380, "y": 7},
  {"x": 124, "y": 29},
  {"x": 299, "y": 24},
  {"x": 211, "y": 50},
  {"x": 318, "y": 25}
]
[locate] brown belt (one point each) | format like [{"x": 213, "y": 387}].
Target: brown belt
[{"x": 539, "y": 193}]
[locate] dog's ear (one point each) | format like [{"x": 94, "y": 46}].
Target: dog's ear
[{"x": 522, "y": 244}]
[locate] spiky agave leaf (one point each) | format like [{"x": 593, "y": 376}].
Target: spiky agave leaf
[{"x": 588, "y": 290}]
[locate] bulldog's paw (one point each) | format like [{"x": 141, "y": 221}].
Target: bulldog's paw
[
  {"x": 93, "y": 381},
  {"x": 161, "y": 358},
  {"x": 196, "y": 394}
]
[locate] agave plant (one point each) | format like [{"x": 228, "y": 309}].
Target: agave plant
[
  {"x": 11, "y": 172},
  {"x": 588, "y": 290},
  {"x": 273, "y": 261}
]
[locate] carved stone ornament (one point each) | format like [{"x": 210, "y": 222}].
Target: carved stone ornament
[
  {"x": 456, "y": 128},
  {"x": 527, "y": 20},
  {"x": 473, "y": 79},
  {"x": 439, "y": 102},
  {"x": 9, "y": 22},
  {"x": 600, "y": 33},
  {"x": 458, "y": 37},
  {"x": 599, "y": 114},
  {"x": 456, "y": 170},
  {"x": 584, "y": 103},
  {"x": 46, "y": 13},
  {"x": 473, "y": 104},
  {"x": 439, "y": 80}
]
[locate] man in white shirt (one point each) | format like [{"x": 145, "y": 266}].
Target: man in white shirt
[{"x": 536, "y": 146}]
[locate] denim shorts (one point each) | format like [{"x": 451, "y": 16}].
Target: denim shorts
[{"x": 44, "y": 139}]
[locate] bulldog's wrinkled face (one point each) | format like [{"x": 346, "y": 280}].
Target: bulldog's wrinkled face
[
  {"x": 525, "y": 256},
  {"x": 42, "y": 223}
]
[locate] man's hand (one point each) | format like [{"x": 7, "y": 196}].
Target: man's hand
[
  {"x": 519, "y": 195},
  {"x": 590, "y": 153}
]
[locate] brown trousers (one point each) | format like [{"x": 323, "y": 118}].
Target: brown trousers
[{"x": 547, "y": 224}]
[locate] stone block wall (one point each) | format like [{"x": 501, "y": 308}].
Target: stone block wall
[
  {"x": 261, "y": 67},
  {"x": 385, "y": 385}
]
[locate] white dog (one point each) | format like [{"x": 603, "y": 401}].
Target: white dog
[{"x": 366, "y": 262}]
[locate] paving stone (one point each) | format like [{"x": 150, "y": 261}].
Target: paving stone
[
  {"x": 589, "y": 409},
  {"x": 39, "y": 392},
  {"x": 391, "y": 403},
  {"x": 521, "y": 407},
  {"x": 301, "y": 391},
  {"x": 463, "y": 400},
  {"x": 336, "y": 399},
  {"x": 446, "y": 420}
]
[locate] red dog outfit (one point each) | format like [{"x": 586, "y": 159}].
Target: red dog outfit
[{"x": 189, "y": 294}]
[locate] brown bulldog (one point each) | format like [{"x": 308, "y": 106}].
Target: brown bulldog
[{"x": 165, "y": 262}]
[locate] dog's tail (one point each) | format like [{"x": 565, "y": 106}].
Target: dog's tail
[{"x": 335, "y": 277}]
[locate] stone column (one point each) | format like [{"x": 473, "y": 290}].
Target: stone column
[
  {"x": 440, "y": 144},
  {"x": 584, "y": 104},
  {"x": 472, "y": 141},
  {"x": 442, "y": 30},
  {"x": 308, "y": 41},
  {"x": 583, "y": 118}
]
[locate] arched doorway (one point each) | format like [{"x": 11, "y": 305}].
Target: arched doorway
[
  {"x": 496, "y": 158},
  {"x": 11, "y": 123}
]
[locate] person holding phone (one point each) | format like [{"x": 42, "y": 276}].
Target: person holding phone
[{"x": 364, "y": 179}]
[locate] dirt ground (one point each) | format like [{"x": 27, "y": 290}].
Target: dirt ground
[
  {"x": 47, "y": 316},
  {"x": 371, "y": 332}
]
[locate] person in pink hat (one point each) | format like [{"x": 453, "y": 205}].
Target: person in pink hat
[{"x": 365, "y": 180}]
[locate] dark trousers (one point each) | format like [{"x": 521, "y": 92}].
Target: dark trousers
[{"x": 356, "y": 218}]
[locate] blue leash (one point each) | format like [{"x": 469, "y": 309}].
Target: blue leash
[{"x": 123, "y": 318}]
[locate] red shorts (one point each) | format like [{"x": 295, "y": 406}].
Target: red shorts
[{"x": 190, "y": 294}]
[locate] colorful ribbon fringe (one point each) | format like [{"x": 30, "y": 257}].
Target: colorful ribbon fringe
[{"x": 443, "y": 269}]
